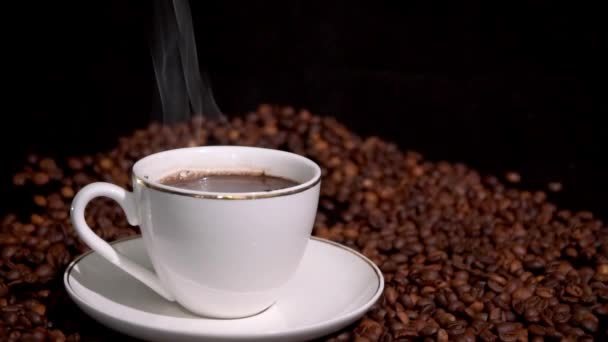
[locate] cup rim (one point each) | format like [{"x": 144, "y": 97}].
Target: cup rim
[{"x": 155, "y": 185}]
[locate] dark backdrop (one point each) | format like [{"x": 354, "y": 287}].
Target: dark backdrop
[{"x": 511, "y": 88}]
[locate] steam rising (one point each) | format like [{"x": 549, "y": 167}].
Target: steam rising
[{"x": 184, "y": 91}]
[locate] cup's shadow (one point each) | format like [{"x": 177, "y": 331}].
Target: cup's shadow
[
  {"x": 127, "y": 292},
  {"x": 112, "y": 283},
  {"x": 136, "y": 295}
]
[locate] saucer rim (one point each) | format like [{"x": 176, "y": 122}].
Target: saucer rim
[{"x": 348, "y": 317}]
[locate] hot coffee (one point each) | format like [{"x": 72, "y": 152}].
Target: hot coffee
[
  {"x": 226, "y": 181},
  {"x": 208, "y": 250}
]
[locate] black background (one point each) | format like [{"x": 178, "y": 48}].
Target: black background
[{"x": 515, "y": 87}]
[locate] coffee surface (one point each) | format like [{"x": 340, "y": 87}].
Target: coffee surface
[{"x": 226, "y": 182}]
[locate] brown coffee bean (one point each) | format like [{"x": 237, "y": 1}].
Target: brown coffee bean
[
  {"x": 55, "y": 202},
  {"x": 495, "y": 286},
  {"x": 24, "y": 322},
  {"x": 40, "y": 178},
  {"x": 8, "y": 239},
  {"x": 503, "y": 301},
  {"x": 46, "y": 164},
  {"x": 555, "y": 186},
  {"x": 513, "y": 177},
  {"x": 442, "y": 335},
  {"x": 515, "y": 267},
  {"x": 67, "y": 192},
  {"x": 40, "y": 200},
  {"x": 522, "y": 294},
  {"x": 537, "y": 329},
  {"x": 44, "y": 271},
  {"x": 396, "y": 326},
  {"x": 3, "y": 289},
  {"x": 10, "y": 318},
  {"x": 106, "y": 164},
  {"x": 368, "y": 327},
  {"x": 456, "y": 306},
  {"x": 36, "y": 219},
  {"x": 544, "y": 292},
  {"x": 508, "y": 332},
  {"x": 407, "y": 301},
  {"x": 476, "y": 307},
  {"x": 36, "y": 336},
  {"x": 20, "y": 179},
  {"x": 403, "y": 317},
  {"x": 487, "y": 336},
  {"x": 35, "y": 306},
  {"x": 535, "y": 263},
  {"x": 601, "y": 272},
  {"x": 599, "y": 309},
  {"x": 379, "y": 314},
  {"x": 406, "y": 332},
  {"x": 466, "y": 337},
  {"x": 32, "y": 241},
  {"x": 75, "y": 163},
  {"x": 574, "y": 290},
  {"x": 586, "y": 319},
  {"x": 457, "y": 328},
  {"x": 532, "y": 314},
  {"x": 561, "y": 313},
  {"x": 35, "y": 318},
  {"x": 58, "y": 336},
  {"x": 428, "y": 330},
  {"x": 391, "y": 294},
  {"x": 9, "y": 251},
  {"x": 498, "y": 279}
]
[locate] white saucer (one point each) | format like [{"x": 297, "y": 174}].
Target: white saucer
[{"x": 333, "y": 287}]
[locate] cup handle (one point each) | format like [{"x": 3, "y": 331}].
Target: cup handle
[{"x": 127, "y": 202}]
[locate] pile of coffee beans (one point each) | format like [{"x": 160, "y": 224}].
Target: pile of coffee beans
[{"x": 464, "y": 256}]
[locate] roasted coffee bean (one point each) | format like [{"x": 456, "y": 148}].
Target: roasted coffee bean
[
  {"x": 601, "y": 272},
  {"x": 8, "y": 251},
  {"x": 522, "y": 294},
  {"x": 3, "y": 289},
  {"x": 10, "y": 318},
  {"x": 35, "y": 318},
  {"x": 40, "y": 178},
  {"x": 67, "y": 192},
  {"x": 589, "y": 325},
  {"x": 508, "y": 331},
  {"x": 58, "y": 336},
  {"x": 555, "y": 186},
  {"x": 442, "y": 335},
  {"x": 457, "y": 327},
  {"x": 429, "y": 330},
  {"x": 599, "y": 309},
  {"x": 532, "y": 315},
  {"x": 537, "y": 329},
  {"x": 561, "y": 313},
  {"x": 35, "y": 306},
  {"x": 574, "y": 290},
  {"x": 391, "y": 294},
  {"x": 488, "y": 336},
  {"x": 44, "y": 271},
  {"x": 20, "y": 178},
  {"x": 544, "y": 292},
  {"x": 40, "y": 200},
  {"x": 35, "y": 336},
  {"x": 513, "y": 177}
]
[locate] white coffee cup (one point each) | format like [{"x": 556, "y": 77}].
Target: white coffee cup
[{"x": 222, "y": 255}]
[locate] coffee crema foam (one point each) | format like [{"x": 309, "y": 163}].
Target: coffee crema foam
[{"x": 226, "y": 181}]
